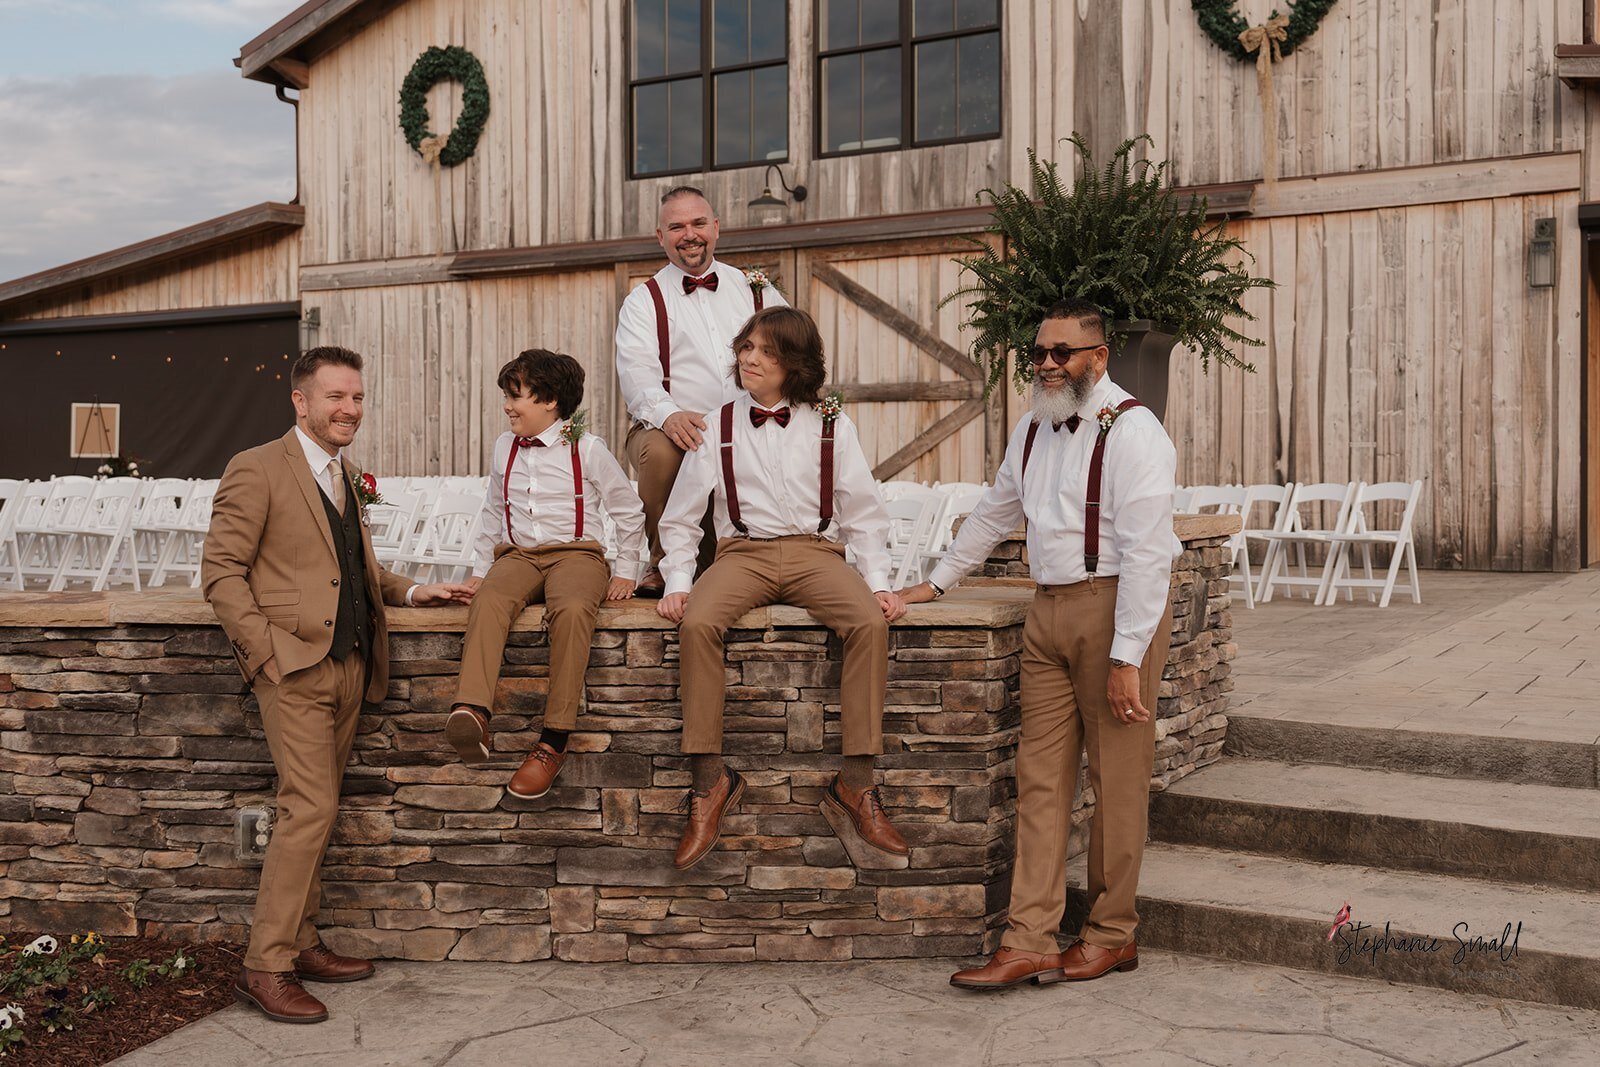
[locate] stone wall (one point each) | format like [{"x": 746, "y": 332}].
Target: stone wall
[{"x": 128, "y": 742}]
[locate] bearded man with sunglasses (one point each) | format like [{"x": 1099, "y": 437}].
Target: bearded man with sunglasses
[{"x": 1092, "y": 474}]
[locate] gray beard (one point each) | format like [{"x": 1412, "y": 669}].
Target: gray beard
[{"x": 1057, "y": 406}]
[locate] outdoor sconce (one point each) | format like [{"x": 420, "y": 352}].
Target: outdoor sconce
[
  {"x": 768, "y": 210},
  {"x": 1542, "y": 254}
]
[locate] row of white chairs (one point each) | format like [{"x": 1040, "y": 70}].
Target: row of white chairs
[
  {"x": 102, "y": 531},
  {"x": 1298, "y": 528}
]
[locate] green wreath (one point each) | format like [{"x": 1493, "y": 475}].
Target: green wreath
[
  {"x": 436, "y": 64},
  {"x": 1224, "y": 25}
]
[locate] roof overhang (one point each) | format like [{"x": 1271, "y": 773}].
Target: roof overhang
[
  {"x": 226, "y": 229},
  {"x": 283, "y": 54}
]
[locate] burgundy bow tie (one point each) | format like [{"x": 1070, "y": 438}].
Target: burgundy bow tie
[
  {"x": 1070, "y": 422},
  {"x": 691, "y": 284},
  {"x": 529, "y": 442},
  {"x": 761, "y": 415}
]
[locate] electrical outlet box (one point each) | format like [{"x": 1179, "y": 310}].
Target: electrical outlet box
[{"x": 252, "y": 829}]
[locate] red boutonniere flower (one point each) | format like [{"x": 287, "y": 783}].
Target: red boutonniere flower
[
  {"x": 1105, "y": 417},
  {"x": 367, "y": 490}
]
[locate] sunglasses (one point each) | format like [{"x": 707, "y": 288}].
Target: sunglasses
[{"x": 1062, "y": 353}]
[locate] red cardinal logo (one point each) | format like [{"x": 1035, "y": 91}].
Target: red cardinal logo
[{"x": 1339, "y": 920}]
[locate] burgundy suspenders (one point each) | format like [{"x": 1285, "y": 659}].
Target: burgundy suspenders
[
  {"x": 577, "y": 490},
  {"x": 731, "y": 489},
  {"x": 1091, "y": 504},
  {"x": 663, "y": 340}
]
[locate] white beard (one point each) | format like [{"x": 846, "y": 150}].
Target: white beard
[{"x": 1057, "y": 405}]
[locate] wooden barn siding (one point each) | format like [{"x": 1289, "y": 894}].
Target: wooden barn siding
[
  {"x": 1405, "y": 343},
  {"x": 255, "y": 270},
  {"x": 1381, "y": 84}
]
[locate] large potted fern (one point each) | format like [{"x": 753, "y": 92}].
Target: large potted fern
[{"x": 1119, "y": 236}]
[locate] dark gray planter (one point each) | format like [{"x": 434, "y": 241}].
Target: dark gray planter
[{"x": 1141, "y": 363}]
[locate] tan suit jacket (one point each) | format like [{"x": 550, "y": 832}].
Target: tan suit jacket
[{"x": 269, "y": 570}]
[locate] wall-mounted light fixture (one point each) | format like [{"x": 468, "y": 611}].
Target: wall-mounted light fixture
[
  {"x": 1542, "y": 254},
  {"x": 768, "y": 210}
]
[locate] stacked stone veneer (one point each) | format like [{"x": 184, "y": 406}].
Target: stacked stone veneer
[{"x": 129, "y": 741}]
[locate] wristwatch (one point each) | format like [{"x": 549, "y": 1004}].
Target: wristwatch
[
  {"x": 938, "y": 591},
  {"x": 1121, "y": 663}
]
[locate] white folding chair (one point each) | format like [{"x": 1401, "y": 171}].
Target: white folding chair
[
  {"x": 895, "y": 490},
  {"x": 1299, "y": 533},
  {"x": 1276, "y": 499},
  {"x": 185, "y": 543},
  {"x": 911, "y": 530},
  {"x": 101, "y": 538},
  {"x": 1180, "y": 499},
  {"x": 393, "y": 522},
  {"x": 156, "y": 518},
  {"x": 449, "y": 538},
  {"x": 1361, "y": 534},
  {"x": 44, "y": 523},
  {"x": 10, "y": 505}
]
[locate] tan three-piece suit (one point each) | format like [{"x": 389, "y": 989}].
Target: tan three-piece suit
[{"x": 271, "y": 573}]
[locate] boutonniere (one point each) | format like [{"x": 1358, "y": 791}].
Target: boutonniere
[
  {"x": 1105, "y": 417},
  {"x": 366, "y": 487},
  {"x": 831, "y": 407},
  {"x": 575, "y": 428},
  {"x": 758, "y": 280}
]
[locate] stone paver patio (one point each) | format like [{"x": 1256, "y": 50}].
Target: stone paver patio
[
  {"x": 1173, "y": 1010},
  {"x": 1507, "y": 655}
]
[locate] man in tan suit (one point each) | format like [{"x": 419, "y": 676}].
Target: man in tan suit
[{"x": 289, "y": 570}]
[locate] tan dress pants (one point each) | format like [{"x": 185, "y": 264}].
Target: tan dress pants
[
  {"x": 310, "y": 720},
  {"x": 808, "y": 572},
  {"x": 1066, "y": 661},
  {"x": 655, "y": 460},
  {"x": 571, "y": 580}
]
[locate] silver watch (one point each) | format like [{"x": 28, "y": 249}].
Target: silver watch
[{"x": 1121, "y": 663}]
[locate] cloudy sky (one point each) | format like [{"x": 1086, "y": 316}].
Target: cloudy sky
[{"x": 124, "y": 119}]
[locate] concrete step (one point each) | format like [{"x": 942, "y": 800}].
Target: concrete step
[
  {"x": 1268, "y": 909},
  {"x": 1501, "y": 831},
  {"x": 1487, "y": 757}
]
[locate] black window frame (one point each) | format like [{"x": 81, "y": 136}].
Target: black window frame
[
  {"x": 907, "y": 44},
  {"x": 708, "y": 103}
]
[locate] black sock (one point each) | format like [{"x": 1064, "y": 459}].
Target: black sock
[{"x": 556, "y": 739}]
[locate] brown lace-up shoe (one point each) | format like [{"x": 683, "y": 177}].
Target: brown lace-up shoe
[
  {"x": 319, "y": 963},
  {"x": 279, "y": 996},
  {"x": 537, "y": 773},
  {"x": 705, "y": 817},
  {"x": 1009, "y": 967},
  {"x": 1083, "y": 961},
  {"x": 467, "y": 730},
  {"x": 864, "y": 828},
  {"x": 651, "y": 585}
]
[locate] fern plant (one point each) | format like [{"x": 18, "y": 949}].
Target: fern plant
[{"x": 1119, "y": 236}]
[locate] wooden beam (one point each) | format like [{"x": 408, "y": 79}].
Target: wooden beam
[
  {"x": 898, "y": 321},
  {"x": 292, "y": 72},
  {"x": 1578, "y": 65},
  {"x": 1440, "y": 183},
  {"x": 365, "y": 274},
  {"x": 928, "y": 439},
  {"x": 134, "y": 319},
  {"x": 262, "y": 218},
  {"x": 888, "y": 392},
  {"x": 289, "y": 33}
]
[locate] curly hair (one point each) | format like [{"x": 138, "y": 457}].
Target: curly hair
[{"x": 794, "y": 336}]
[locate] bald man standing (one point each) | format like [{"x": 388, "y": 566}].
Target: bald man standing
[{"x": 674, "y": 355}]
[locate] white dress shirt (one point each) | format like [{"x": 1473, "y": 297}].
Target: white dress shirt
[
  {"x": 701, "y": 327},
  {"x": 325, "y": 468},
  {"x": 542, "y": 500},
  {"x": 778, "y": 473},
  {"x": 1136, "y": 539}
]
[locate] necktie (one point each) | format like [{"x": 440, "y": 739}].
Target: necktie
[
  {"x": 761, "y": 415},
  {"x": 691, "y": 284},
  {"x": 529, "y": 442},
  {"x": 335, "y": 486},
  {"x": 1070, "y": 422}
]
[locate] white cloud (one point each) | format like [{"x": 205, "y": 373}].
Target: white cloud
[
  {"x": 258, "y": 14},
  {"x": 95, "y": 163}
]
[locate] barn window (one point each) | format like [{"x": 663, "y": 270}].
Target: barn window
[
  {"x": 894, "y": 73},
  {"x": 709, "y": 85}
]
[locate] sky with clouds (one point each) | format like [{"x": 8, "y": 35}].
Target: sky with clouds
[{"x": 124, "y": 119}]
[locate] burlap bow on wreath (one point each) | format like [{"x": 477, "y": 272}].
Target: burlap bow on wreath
[{"x": 1266, "y": 42}]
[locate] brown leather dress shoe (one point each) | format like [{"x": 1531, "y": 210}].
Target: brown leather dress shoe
[
  {"x": 537, "y": 773},
  {"x": 467, "y": 730},
  {"x": 1009, "y": 967},
  {"x": 705, "y": 818},
  {"x": 319, "y": 963},
  {"x": 651, "y": 585},
  {"x": 864, "y": 828},
  {"x": 1083, "y": 961},
  {"x": 279, "y": 996}
]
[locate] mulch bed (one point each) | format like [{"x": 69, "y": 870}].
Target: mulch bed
[{"x": 137, "y": 1017}]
